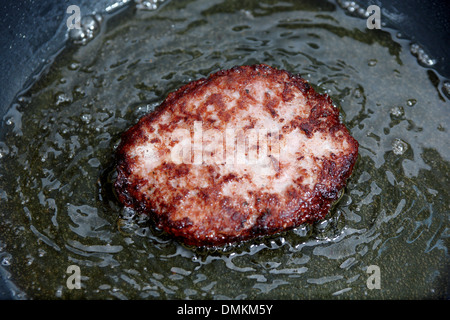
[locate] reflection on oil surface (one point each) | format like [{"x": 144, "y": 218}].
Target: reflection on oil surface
[{"x": 58, "y": 140}]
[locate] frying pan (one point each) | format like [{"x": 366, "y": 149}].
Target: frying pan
[{"x": 33, "y": 31}]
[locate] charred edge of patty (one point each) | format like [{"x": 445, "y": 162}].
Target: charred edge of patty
[
  {"x": 321, "y": 118},
  {"x": 318, "y": 207}
]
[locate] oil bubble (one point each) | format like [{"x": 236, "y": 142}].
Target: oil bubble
[
  {"x": 372, "y": 62},
  {"x": 446, "y": 88},
  {"x": 9, "y": 121},
  {"x": 98, "y": 17},
  {"x": 89, "y": 28},
  {"x": 346, "y": 200},
  {"x": 363, "y": 13},
  {"x": 411, "y": 102},
  {"x": 62, "y": 98},
  {"x": 421, "y": 55},
  {"x": 147, "y": 4},
  {"x": 41, "y": 252},
  {"x": 76, "y": 35},
  {"x": 74, "y": 65},
  {"x": 89, "y": 23},
  {"x": 397, "y": 111},
  {"x": 354, "y": 9},
  {"x": 86, "y": 118},
  {"x": 6, "y": 260},
  {"x": 399, "y": 146}
]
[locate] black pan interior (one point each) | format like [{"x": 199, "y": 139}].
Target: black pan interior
[{"x": 35, "y": 30}]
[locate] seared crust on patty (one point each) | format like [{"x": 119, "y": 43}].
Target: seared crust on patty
[{"x": 246, "y": 152}]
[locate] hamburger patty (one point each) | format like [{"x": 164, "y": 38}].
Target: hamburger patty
[{"x": 246, "y": 152}]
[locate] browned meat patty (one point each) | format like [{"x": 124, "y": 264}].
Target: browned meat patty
[{"x": 246, "y": 152}]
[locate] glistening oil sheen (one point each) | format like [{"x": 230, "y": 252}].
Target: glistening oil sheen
[{"x": 57, "y": 158}]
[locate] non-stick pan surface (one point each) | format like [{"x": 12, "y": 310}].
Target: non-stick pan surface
[{"x": 34, "y": 31}]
